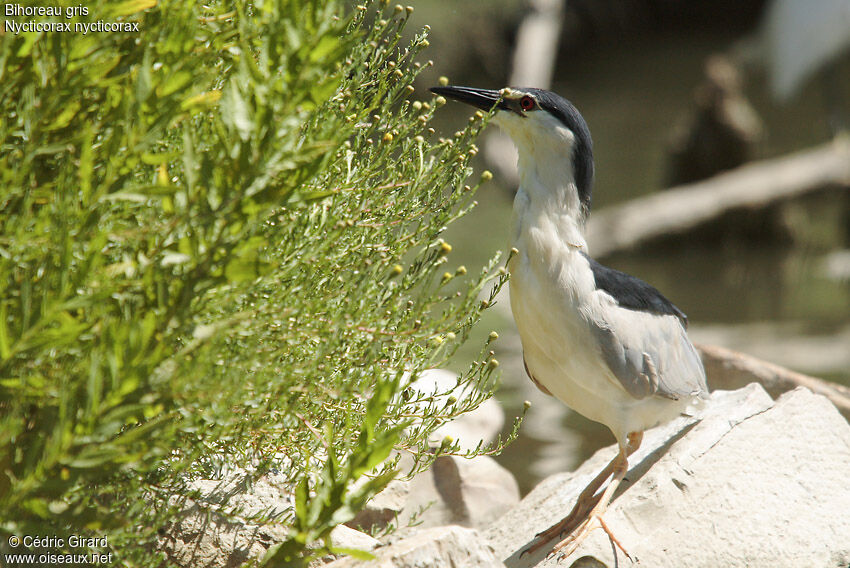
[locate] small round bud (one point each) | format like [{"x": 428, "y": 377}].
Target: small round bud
[
  {"x": 440, "y": 101},
  {"x": 388, "y": 137},
  {"x": 451, "y": 400},
  {"x": 396, "y": 270},
  {"x": 493, "y": 336},
  {"x": 461, "y": 270},
  {"x": 443, "y": 81},
  {"x": 436, "y": 341},
  {"x": 526, "y": 405},
  {"x": 425, "y": 43},
  {"x": 492, "y": 364},
  {"x": 446, "y": 277},
  {"x": 419, "y": 139},
  {"x": 486, "y": 175},
  {"x": 445, "y": 248},
  {"x": 417, "y": 105}
]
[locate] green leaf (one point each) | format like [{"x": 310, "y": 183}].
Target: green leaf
[
  {"x": 235, "y": 111},
  {"x": 155, "y": 159},
  {"x": 353, "y": 552},
  {"x": 65, "y": 117},
  {"x": 5, "y": 346},
  {"x": 174, "y": 83}
]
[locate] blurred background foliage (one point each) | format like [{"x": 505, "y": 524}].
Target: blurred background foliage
[{"x": 220, "y": 245}]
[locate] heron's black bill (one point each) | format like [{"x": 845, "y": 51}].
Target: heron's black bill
[{"x": 484, "y": 99}]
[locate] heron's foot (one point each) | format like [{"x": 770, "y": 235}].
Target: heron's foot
[
  {"x": 566, "y": 526},
  {"x": 570, "y": 544}
]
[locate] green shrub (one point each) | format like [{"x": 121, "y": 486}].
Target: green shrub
[{"x": 220, "y": 243}]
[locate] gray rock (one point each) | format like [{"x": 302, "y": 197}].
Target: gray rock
[
  {"x": 202, "y": 537},
  {"x": 384, "y": 508},
  {"x": 470, "y": 492},
  {"x": 752, "y": 484},
  {"x": 431, "y": 548}
]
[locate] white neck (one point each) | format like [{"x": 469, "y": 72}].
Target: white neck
[{"x": 548, "y": 200}]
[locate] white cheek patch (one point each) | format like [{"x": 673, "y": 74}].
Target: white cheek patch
[{"x": 536, "y": 132}]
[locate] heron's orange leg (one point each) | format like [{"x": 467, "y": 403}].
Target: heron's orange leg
[{"x": 587, "y": 512}]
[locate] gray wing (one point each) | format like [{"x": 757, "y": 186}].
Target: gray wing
[{"x": 650, "y": 354}]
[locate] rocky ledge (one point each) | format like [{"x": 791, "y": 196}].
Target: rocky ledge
[{"x": 749, "y": 482}]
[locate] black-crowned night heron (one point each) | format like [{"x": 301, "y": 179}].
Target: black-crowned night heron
[{"x": 607, "y": 344}]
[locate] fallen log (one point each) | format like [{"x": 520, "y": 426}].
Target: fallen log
[
  {"x": 730, "y": 370},
  {"x": 671, "y": 212}
]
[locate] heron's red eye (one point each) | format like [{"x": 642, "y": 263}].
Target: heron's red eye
[{"x": 526, "y": 103}]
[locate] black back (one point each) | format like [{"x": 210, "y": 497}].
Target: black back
[
  {"x": 633, "y": 293},
  {"x": 582, "y": 156}
]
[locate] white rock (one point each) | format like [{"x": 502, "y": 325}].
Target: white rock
[
  {"x": 346, "y": 537},
  {"x": 470, "y": 492},
  {"x": 431, "y": 548},
  {"x": 752, "y": 484}
]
